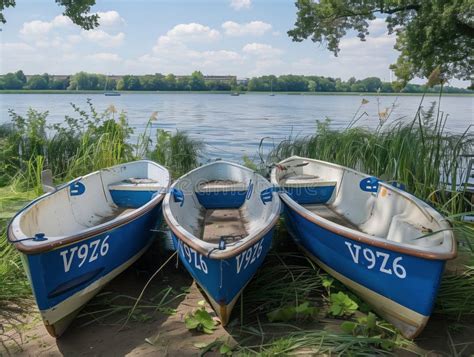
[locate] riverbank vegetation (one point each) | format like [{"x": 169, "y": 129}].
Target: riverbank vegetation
[
  {"x": 290, "y": 306},
  {"x": 84, "y": 142},
  {"x": 198, "y": 82}
]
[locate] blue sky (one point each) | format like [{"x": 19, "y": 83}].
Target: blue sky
[{"x": 241, "y": 37}]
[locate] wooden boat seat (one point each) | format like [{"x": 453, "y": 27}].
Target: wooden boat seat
[
  {"x": 117, "y": 212},
  {"x": 227, "y": 223},
  {"x": 292, "y": 180},
  {"x": 326, "y": 212},
  {"x": 136, "y": 184},
  {"x": 221, "y": 186},
  {"x": 133, "y": 192}
]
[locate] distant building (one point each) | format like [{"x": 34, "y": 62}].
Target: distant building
[
  {"x": 55, "y": 77},
  {"x": 222, "y": 79},
  {"x": 243, "y": 81}
]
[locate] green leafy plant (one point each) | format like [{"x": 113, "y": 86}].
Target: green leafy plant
[
  {"x": 342, "y": 305},
  {"x": 287, "y": 313},
  {"x": 200, "y": 320},
  {"x": 370, "y": 326},
  {"x": 222, "y": 347},
  {"x": 327, "y": 282}
]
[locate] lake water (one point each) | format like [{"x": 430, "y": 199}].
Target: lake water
[{"x": 232, "y": 126}]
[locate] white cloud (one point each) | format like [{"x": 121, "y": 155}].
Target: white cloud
[
  {"x": 261, "y": 50},
  {"x": 110, "y": 18},
  {"x": 103, "y": 38},
  {"x": 377, "y": 26},
  {"x": 74, "y": 39},
  {"x": 256, "y": 28},
  {"x": 371, "y": 46},
  {"x": 179, "y": 37},
  {"x": 61, "y": 21},
  {"x": 357, "y": 58},
  {"x": 38, "y": 28},
  {"x": 193, "y": 32},
  {"x": 105, "y": 56},
  {"x": 15, "y": 47},
  {"x": 35, "y": 28},
  {"x": 240, "y": 4}
]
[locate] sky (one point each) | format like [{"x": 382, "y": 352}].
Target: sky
[{"x": 218, "y": 37}]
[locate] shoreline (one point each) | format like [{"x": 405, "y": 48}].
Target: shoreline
[{"x": 99, "y": 92}]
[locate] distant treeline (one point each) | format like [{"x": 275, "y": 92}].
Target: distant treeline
[{"x": 198, "y": 82}]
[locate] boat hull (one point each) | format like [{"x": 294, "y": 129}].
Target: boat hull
[
  {"x": 402, "y": 288},
  {"x": 223, "y": 280},
  {"x": 65, "y": 279}
]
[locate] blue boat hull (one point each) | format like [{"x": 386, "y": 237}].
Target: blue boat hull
[
  {"x": 224, "y": 279},
  {"x": 64, "y": 279},
  {"x": 400, "y": 287}
]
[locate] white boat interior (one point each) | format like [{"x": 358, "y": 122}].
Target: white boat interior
[
  {"x": 370, "y": 208},
  {"x": 220, "y": 201},
  {"x": 98, "y": 198}
]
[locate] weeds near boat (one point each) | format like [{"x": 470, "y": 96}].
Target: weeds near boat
[
  {"x": 200, "y": 320},
  {"x": 115, "y": 309},
  {"x": 85, "y": 142},
  {"x": 420, "y": 154},
  {"x": 287, "y": 279}
]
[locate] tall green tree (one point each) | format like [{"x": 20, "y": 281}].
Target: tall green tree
[
  {"x": 197, "y": 81},
  {"x": 77, "y": 10},
  {"x": 430, "y": 33},
  {"x": 37, "y": 82}
]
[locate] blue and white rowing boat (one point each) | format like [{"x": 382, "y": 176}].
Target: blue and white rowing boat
[
  {"x": 222, "y": 217},
  {"x": 80, "y": 236},
  {"x": 383, "y": 243}
]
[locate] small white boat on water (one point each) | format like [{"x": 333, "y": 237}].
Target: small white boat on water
[
  {"x": 383, "y": 243},
  {"x": 222, "y": 217},
  {"x": 77, "y": 238}
]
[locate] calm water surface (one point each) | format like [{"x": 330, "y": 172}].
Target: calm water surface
[{"x": 232, "y": 126}]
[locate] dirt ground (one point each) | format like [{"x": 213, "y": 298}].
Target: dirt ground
[{"x": 160, "y": 334}]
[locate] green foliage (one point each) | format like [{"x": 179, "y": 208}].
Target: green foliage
[
  {"x": 430, "y": 34},
  {"x": 370, "y": 326},
  {"x": 341, "y": 304},
  {"x": 84, "y": 142},
  {"x": 178, "y": 152},
  {"x": 217, "y": 345},
  {"x": 456, "y": 291},
  {"x": 89, "y": 81},
  {"x": 419, "y": 154},
  {"x": 37, "y": 82},
  {"x": 285, "y": 279},
  {"x": 79, "y": 13},
  {"x": 11, "y": 81},
  {"x": 200, "y": 320},
  {"x": 248, "y": 162},
  {"x": 301, "y": 312},
  {"x": 198, "y": 82}
]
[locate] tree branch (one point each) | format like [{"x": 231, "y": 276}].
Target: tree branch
[{"x": 398, "y": 9}]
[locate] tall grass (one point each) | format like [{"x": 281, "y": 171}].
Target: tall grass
[
  {"x": 419, "y": 154},
  {"x": 84, "y": 142}
]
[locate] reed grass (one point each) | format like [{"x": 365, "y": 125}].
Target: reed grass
[
  {"x": 84, "y": 142},
  {"x": 419, "y": 153},
  {"x": 115, "y": 309},
  {"x": 321, "y": 342},
  {"x": 429, "y": 161}
]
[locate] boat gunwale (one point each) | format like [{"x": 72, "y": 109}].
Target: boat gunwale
[
  {"x": 89, "y": 232},
  {"x": 191, "y": 240},
  {"x": 365, "y": 238}
]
